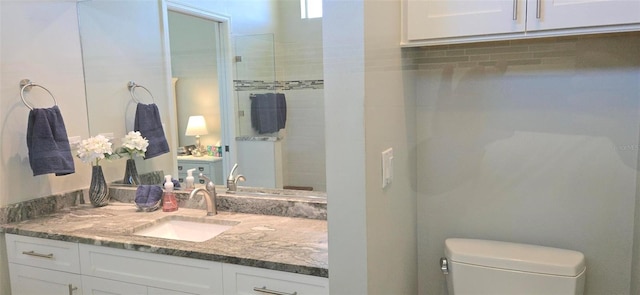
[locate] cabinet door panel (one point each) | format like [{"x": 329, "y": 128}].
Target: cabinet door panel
[
  {"x": 565, "y": 14},
  {"x": 432, "y": 19},
  {"x": 27, "y": 280},
  {"x": 98, "y": 286},
  {"x": 162, "y": 271}
]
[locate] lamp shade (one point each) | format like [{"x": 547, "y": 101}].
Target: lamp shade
[{"x": 196, "y": 126}]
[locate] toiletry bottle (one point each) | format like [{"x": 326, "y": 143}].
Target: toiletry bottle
[
  {"x": 189, "y": 181},
  {"x": 169, "y": 201}
]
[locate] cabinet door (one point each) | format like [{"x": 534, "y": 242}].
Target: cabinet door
[
  {"x": 433, "y": 19},
  {"x": 158, "y": 291},
  {"x": 28, "y": 280},
  {"x": 244, "y": 280},
  {"x": 98, "y": 286},
  {"x": 565, "y": 14}
]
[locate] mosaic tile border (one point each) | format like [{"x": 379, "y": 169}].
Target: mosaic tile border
[{"x": 252, "y": 85}]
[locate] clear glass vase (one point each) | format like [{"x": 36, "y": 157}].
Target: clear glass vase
[
  {"x": 98, "y": 191},
  {"x": 131, "y": 173}
]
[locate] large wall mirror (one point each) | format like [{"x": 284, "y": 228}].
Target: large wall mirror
[{"x": 270, "y": 52}]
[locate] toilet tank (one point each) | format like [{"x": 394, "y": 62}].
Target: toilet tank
[{"x": 492, "y": 267}]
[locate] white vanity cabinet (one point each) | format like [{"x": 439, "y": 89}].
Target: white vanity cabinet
[
  {"x": 243, "y": 280},
  {"x": 42, "y": 266},
  {"x": 432, "y": 22}
]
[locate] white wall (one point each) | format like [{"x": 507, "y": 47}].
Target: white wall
[
  {"x": 39, "y": 42},
  {"x": 343, "y": 34},
  {"x": 369, "y": 107},
  {"x": 533, "y": 142}
]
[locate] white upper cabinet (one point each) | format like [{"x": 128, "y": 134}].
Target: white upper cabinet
[
  {"x": 434, "y": 19},
  {"x": 432, "y": 22},
  {"x": 566, "y": 14}
]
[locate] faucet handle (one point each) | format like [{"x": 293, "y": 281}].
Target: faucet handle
[
  {"x": 233, "y": 170},
  {"x": 207, "y": 179},
  {"x": 210, "y": 186}
]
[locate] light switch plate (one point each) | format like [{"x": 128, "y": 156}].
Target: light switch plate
[{"x": 387, "y": 167}]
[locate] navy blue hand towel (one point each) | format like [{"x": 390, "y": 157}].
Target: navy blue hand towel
[
  {"x": 148, "y": 195},
  {"x": 268, "y": 112},
  {"x": 281, "y": 106},
  {"x": 48, "y": 144},
  {"x": 148, "y": 122}
]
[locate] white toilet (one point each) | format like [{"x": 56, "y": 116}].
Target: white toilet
[{"x": 501, "y": 268}]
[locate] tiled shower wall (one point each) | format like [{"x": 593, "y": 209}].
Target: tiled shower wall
[
  {"x": 299, "y": 75},
  {"x": 531, "y": 141}
]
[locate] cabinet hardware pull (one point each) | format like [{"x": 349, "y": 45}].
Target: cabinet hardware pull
[
  {"x": 273, "y": 292},
  {"x": 32, "y": 253},
  {"x": 201, "y": 168},
  {"x": 538, "y": 9},
  {"x": 180, "y": 168},
  {"x": 71, "y": 289},
  {"x": 515, "y": 9}
]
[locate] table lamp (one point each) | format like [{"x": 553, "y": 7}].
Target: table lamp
[{"x": 196, "y": 127}]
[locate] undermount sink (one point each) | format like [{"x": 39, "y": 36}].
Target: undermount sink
[{"x": 184, "y": 228}]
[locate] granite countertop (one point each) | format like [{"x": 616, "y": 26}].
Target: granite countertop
[{"x": 290, "y": 244}]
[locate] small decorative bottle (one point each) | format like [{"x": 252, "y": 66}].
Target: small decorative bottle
[
  {"x": 169, "y": 201},
  {"x": 189, "y": 182}
]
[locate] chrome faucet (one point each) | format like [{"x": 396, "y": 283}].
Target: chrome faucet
[
  {"x": 209, "y": 192},
  {"x": 232, "y": 180}
]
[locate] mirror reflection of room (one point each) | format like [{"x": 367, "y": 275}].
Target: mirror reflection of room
[
  {"x": 276, "y": 53},
  {"x": 194, "y": 67}
]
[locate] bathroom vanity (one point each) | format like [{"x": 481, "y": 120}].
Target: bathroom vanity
[
  {"x": 207, "y": 165},
  {"x": 86, "y": 250}
]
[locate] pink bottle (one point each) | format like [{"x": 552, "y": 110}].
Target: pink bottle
[{"x": 169, "y": 201}]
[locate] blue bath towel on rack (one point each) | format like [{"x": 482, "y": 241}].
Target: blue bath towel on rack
[
  {"x": 48, "y": 144},
  {"x": 268, "y": 112},
  {"x": 281, "y": 108},
  {"x": 148, "y": 122}
]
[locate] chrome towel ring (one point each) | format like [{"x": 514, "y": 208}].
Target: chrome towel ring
[
  {"x": 132, "y": 89},
  {"x": 25, "y": 85}
]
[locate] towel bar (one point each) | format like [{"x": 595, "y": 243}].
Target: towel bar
[
  {"x": 26, "y": 83},
  {"x": 132, "y": 87}
]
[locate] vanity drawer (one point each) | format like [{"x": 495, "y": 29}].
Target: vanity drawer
[
  {"x": 49, "y": 254},
  {"x": 205, "y": 168},
  {"x": 209, "y": 167},
  {"x": 240, "y": 279}
]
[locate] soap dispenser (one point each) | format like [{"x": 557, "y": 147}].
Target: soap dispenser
[
  {"x": 169, "y": 201},
  {"x": 189, "y": 182}
]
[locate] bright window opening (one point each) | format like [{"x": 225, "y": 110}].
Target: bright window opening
[{"x": 310, "y": 8}]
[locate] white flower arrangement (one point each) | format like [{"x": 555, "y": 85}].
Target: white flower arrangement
[
  {"x": 94, "y": 149},
  {"x": 134, "y": 144}
]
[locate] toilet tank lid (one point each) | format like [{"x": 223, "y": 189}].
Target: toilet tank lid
[{"x": 513, "y": 256}]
